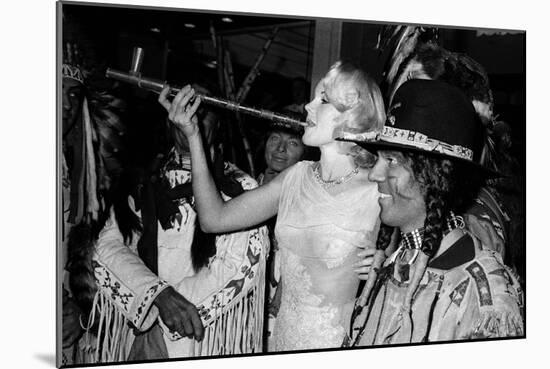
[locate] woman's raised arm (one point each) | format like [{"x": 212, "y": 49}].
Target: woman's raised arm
[{"x": 215, "y": 215}]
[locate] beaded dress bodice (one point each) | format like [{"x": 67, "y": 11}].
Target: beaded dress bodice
[{"x": 319, "y": 235}]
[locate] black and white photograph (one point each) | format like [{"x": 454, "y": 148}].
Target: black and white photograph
[
  {"x": 236, "y": 184},
  {"x": 280, "y": 184}
]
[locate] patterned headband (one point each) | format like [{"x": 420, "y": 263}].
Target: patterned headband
[{"x": 73, "y": 72}]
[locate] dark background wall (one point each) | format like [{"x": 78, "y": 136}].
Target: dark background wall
[{"x": 180, "y": 55}]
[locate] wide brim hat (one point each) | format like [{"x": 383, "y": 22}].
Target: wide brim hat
[{"x": 429, "y": 117}]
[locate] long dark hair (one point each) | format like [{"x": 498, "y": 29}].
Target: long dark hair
[
  {"x": 82, "y": 238},
  {"x": 447, "y": 185}
]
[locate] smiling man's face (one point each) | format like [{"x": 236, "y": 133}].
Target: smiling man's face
[{"x": 401, "y": 199}]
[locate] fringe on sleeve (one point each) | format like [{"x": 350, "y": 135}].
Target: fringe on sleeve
[{"x": 494, "y": 324}]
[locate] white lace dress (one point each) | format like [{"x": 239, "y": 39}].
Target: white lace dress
[{"x": 318, "y": 237}]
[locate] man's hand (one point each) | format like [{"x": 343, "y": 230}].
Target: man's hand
[{"x": 178, "y": 314}]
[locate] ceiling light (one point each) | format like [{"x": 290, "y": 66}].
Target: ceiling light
[
  {"x": 212, "y": 64},
  {"x": 227, "y": 20}
]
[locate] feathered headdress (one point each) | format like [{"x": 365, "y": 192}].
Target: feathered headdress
[
  {"x": 94, "y": 145},
  {"x": 99, "y": 145},
  {"x": 418, "y": 55}
]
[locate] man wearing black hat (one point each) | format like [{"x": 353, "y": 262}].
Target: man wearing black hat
[{"x": 441, "y": 283}]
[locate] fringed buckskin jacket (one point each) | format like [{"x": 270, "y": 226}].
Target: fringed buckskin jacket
[
  {"x": 466, "y": 293},
  {"x": 127, "y": 288}
]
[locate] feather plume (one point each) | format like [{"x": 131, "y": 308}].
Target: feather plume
[
  {"x": 417, "y": 55},
  {"x": 104, "y": 145}
]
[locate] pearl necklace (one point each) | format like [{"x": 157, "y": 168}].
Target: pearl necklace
[{"x": 334, "y": 182}]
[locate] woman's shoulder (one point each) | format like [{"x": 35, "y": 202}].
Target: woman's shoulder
[
  {"x": 289, "y": 178},
  {"x": 294, "y": 171},
  {"x": 303, "y": 165}
]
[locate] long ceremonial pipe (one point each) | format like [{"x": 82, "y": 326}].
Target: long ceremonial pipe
[{"x": 156, "y": 85}]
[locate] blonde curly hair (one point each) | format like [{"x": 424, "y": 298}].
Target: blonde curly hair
[{"x": 357, "y": 96}]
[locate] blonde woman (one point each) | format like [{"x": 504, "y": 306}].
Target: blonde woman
[{"x": 326, "y": 210}]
